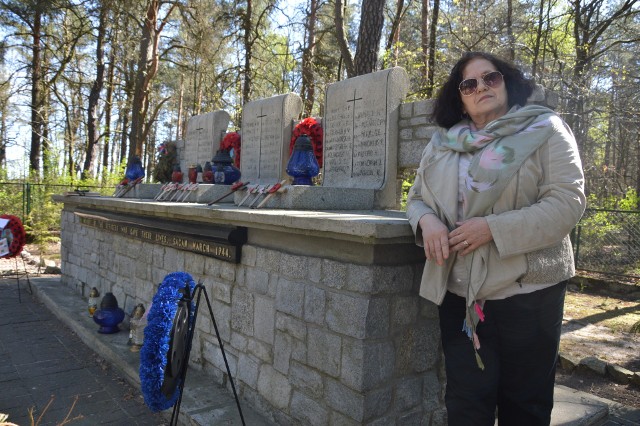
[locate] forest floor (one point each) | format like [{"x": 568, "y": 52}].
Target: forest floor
[{"x": 602, "y": 319}]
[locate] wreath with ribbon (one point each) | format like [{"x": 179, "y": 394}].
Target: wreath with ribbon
[
  {"x": 15, "y": 234},
  {"x": 231, "y": 143},
  {"x": 163, "y": 351},
  {"x": 310, "y": 127}
]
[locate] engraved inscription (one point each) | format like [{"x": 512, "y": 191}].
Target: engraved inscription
[
  {"x": 355, "y": 147},
  {"x": 199, "y": 140},
  {"x": 194, "y": 244},
  {"x": 261, "y": 135}
]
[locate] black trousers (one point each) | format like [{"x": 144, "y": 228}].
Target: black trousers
[{"x": 519, "y": 348}]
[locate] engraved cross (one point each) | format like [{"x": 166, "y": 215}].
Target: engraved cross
[
  {"x": 261, "y": 116},
  {"x": 353, "y": 127}
]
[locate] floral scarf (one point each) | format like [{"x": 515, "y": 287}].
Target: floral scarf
[
  {"x": 498, "y": 153},
  {"x": 499, "y": 150}
]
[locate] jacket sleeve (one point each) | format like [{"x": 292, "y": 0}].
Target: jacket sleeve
[
  {"x": 559, "y": 205},
  {"x": 416, "y": 207}
]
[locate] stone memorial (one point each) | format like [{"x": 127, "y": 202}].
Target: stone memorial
[
  {"x": 360, "y": 145},
  {"x": 202, "y": 140},
  {"x": 318, "y": 311},
  {"x": 266, "y": 132},
  {"x": 203, "y": 136}
]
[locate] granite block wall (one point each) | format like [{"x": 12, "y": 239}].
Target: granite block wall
[
  {"x": 416, "y": 128},
  {"x": 309, "y": 341}
]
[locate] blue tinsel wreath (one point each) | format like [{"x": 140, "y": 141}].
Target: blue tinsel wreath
[{"x": 153, "y": 354}]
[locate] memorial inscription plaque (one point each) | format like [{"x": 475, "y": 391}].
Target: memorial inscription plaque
[
  {"x": 360, "y": 129},
  {"x": 266, "y": 132},
  {"x": 221, "y": 242},
  {"x": 202, "y": 140}
]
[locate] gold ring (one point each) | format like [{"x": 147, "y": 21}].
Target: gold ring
[{"x": 466, "y": 243}]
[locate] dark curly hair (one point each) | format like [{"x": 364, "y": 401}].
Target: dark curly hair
[{"x": 448, "y": 109}]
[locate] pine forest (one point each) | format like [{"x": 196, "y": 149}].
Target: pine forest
[{"x": 87, "y": 84}]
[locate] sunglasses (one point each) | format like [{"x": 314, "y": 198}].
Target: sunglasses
[{"x": 469, "y": 86}]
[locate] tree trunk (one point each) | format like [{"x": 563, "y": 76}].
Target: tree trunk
[
  {"x": 3, "y": 132},
  {"x": 341, "y": 39},
  {"x": 424, "y": 41},
  {"x": 248, "y": 52},
  {"x": 107, "y": 166},
  {"x": 37, "y": 124},
  {"x": 44, "y": 114},
  {"x": 129, "y": 76},
  {"x": 308, "y": 86},
  {"x": 143, "y": 77},
  {"x": 394, "y": 35},
  {"x": 94, "y": 95},
  {"x": 146, "y": 72},
  {"x": 432, "y": 48},
  {"x": 369, "y": 35},
  {"x": 510, "y": 38},
  {"x": 536, "y": 45}
]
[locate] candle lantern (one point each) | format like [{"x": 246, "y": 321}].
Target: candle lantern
[
  {"x": 109, "y": 315},
  {"x": 176, "y": 176},
  {"x": 207, "y": 175},
  {"x": 134, "y": 169},
  {"x": 193, "y": 173},
  {"x": 136, "y": 327},
  {"x": 199, "y": 174},
  {"x": 224, "y": 171},
  {"x": 93, "y": 300},
  {"x": 303, "y": 165}
]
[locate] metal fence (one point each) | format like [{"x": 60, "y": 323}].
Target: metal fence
[
  {"x": 23, "y": 198},
  {"x": 608, "y": 242}
]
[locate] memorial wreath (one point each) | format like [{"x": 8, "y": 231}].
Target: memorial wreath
[
  {"x": 15, "y": 234},
  {"x": 160, "y": 349},
  {"x": 231, "y": 143}
]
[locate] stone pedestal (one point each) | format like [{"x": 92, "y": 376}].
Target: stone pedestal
[{"x": 320, "y": 318}]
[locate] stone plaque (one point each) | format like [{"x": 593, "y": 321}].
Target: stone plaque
[
  {"x": 266, "y": 134},
  {"x": 203, "y": 136},
  {"x": 360, "y": 130},
  {"x": 221, "y": 242}
]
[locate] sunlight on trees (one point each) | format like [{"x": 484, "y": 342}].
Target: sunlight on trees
[{"x": 85, "y": 85}]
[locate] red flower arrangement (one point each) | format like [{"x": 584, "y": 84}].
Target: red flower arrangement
[
  {"x": 232, "y": 141},
  {"x": 15, "y": 234},
  {"x": 310, "y": 127}
]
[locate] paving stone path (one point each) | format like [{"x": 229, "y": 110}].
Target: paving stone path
[{"x": 46, "y": 368}]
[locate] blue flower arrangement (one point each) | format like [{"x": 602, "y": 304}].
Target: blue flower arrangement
[{"x": 153, "y": 354}]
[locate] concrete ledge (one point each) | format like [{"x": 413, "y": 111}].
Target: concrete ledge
[
  {"x": 367, "y": 226},
  {"x": 204, "y": 193}
]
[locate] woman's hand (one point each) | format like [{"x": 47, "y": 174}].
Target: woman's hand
[
  {"x": 469, "y": 235},
  {"x": 435, "y": 238}
]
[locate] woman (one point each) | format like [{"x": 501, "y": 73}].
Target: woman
[{"x": 498, "y": 190}]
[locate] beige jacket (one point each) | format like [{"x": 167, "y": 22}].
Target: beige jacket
[{"x": 530, "y": 222}]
